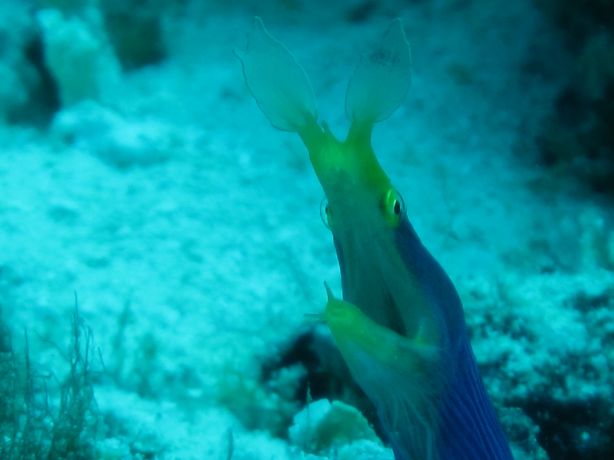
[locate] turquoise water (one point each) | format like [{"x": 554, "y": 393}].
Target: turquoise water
[{"x": 137, "y": 172}]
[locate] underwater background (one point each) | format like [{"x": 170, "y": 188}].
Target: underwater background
[{"x": 161, "y": 244}]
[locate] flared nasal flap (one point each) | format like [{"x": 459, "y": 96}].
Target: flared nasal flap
[
  {"x": 277, "y": 81},
  {"x": 381, "y": 80}
]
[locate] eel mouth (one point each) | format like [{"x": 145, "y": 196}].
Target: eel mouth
[{"x": 368, "y": 274}]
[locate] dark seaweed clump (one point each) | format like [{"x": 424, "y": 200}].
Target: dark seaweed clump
[{"x": 35, "y": 424}]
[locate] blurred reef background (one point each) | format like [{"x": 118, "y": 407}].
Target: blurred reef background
[{"x": 160, "y": 242}]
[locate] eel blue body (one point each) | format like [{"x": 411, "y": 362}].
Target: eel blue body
[
  {"x": 468, "y": 426},
  {"x": 400, "y": 326}
]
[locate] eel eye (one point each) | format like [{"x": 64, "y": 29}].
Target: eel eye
[
  {"x": 325, "y": 212},
  {"x": 393, "y": 206}
]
